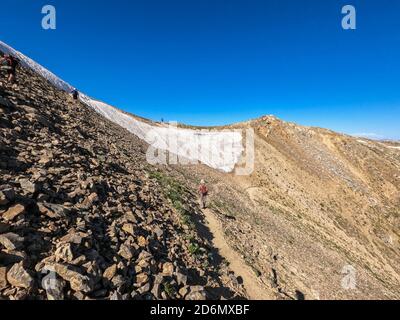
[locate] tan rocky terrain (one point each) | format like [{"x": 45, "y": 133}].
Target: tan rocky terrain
[
  {"x": 80, "y": 208},
  {"x": 320, "y": 207}
]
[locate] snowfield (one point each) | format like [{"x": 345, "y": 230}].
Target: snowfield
[{"x": 217, "y": 149}]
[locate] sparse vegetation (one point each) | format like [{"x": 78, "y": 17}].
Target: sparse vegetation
[
  {"x": 169, "y": 289},
  {"x": 194, "y": 248},
  {"x": 221, "y": 206},
  {"x": 176, "y": 193}
]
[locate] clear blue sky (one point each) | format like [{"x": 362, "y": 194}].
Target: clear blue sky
[{"x": 221, "y": 61}]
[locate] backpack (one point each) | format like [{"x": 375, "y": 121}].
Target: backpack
[
  {"x": 10, "y": 61},
  {"x": 75, "y": 94},
  {"x": 203, "y": 189},
  {"x": 14, "y": 62}
]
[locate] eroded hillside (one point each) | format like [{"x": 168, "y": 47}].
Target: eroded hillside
[{"x": 319, "y": 218}]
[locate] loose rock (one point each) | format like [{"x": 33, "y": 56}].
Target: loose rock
[
  {"x": 54, "y": 211},
  {"x": 11, "y": 241},
  {"x": 18, "y": 277},
  {"x": 76, "y": 279},
  {"x": 13, "y": 212},
  {"x": 3, "y": 278}
]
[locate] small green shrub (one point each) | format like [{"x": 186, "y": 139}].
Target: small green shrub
[
  {"x": 169, "y": 289},
  {"x": 194, "y": 248}
]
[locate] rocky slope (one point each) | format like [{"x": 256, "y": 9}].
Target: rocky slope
[{"x": 82, "y": 215}]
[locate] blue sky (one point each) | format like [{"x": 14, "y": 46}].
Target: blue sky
[{"x": 209, "y": 62}]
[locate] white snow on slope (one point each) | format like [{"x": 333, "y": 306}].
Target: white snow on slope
[
  {"x": 28, "y": 62},
  {"x": 217, "y": 149}
]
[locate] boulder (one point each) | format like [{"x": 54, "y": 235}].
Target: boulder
[
  {"x": 129, "y": 216},
  {"x": 3, "y": 278},
  {"x": 11, "y": 241},
  {"x": 159, "y": 232},
  {"x": 89, "y": 201},
  {"x": 53, "y": 286},
  {"x": 183, "y": 291},
  {"x": 13, "y": 212},
  {"x": 142, "y": 278},
  {"x": 196, "y": 293},
  {"x": 46, "y": 158},
  {"x": 181, "y": 278},
  {"x": 74, "y": 237},
  {"x": 74, "y": 276},
  {"x": 118, "y": 281},
  {"x": 144, "y": 289},
  {"x": 27, "y": 186},
  {"x": 168, "y": 269},
  {"x": 110, "y": 272},
  {"x": 142, "y": 241},
  {"x": 129, "y": 229},
  {"x": 54, "y": 211},
  {"x": 157, "y": 286},
  {"x": 125, "y": 252},
  {"x": 64, "y": 252},
  {"x": 19, "y": 277}
]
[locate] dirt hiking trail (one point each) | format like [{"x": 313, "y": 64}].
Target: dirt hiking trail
[{"x": 254, "y": 290}]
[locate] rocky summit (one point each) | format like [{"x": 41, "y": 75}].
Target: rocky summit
[{"x": 82, "y": 215}]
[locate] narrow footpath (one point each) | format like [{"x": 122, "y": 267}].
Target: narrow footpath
[{"x": 254, "y": 289}]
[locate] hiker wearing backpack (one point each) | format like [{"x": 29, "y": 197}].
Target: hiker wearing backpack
[
  {"x": 74, "y": 94},
  {"x": 9, "y": 64},
  {"x": 203, "y": 190}
]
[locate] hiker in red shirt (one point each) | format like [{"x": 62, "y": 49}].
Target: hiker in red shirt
[
  {"x": 9, "y": 64},
  {"x": 203, "y": 194}
]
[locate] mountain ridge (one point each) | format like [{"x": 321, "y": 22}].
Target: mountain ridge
[{"x": 61, "y": 84}]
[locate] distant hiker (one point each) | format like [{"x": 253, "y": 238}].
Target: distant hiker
[
  {"x": 203, "y": 190},
  {"x": 74, "y": 94},
  {"x": 9, "y": 64}
]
